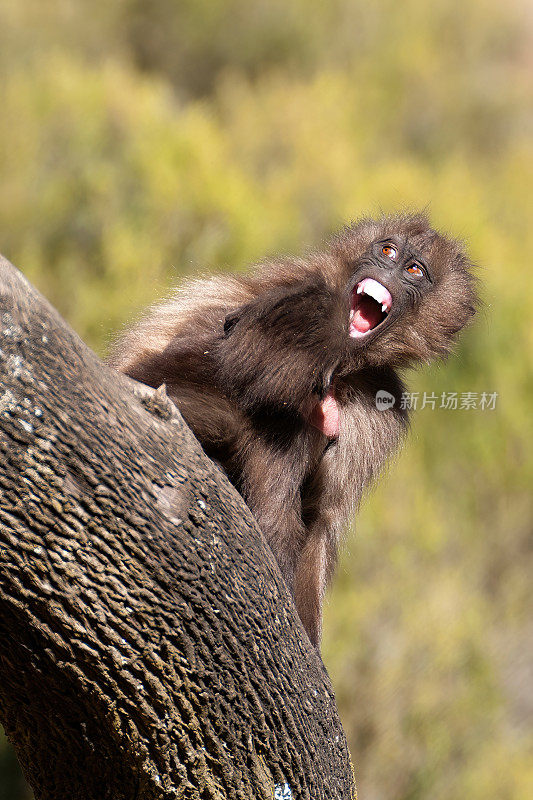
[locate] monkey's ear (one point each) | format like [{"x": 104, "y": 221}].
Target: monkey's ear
[{"x": 230, "y": 321}]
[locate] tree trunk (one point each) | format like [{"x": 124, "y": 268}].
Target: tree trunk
[{"x": 148, "y": 645}]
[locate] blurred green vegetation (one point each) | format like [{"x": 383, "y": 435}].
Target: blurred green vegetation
[{"x": 147, "y": 139}]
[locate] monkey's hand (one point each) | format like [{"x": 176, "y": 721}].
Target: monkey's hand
[{"x": 280, "y": 350}]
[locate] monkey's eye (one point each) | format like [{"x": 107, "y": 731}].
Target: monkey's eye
[
  {"x": 389, "y": 251},
  {"x": 416, "y": 271}
]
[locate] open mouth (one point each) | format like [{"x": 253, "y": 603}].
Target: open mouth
[{"x": 370, "y": 305}]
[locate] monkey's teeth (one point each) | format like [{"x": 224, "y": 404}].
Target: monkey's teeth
[{"x": 377, "y": 291}]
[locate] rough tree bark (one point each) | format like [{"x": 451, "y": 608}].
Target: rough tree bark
[{"x": 148, "y": 645}]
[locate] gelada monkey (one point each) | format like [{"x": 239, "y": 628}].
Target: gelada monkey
[{"x": 277, "y": 373}]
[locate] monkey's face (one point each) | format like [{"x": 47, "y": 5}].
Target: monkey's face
[
  {"x": 410, "y": 290},
  {"x": 389, "y": 278}
]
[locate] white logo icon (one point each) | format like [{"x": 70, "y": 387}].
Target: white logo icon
[{"x": 384, "y": 400}]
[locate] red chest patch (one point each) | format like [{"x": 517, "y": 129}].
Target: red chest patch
[{"x": 325, "y": 416}]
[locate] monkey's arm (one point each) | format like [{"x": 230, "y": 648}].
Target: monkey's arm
[{"x": 281, "y": 349}]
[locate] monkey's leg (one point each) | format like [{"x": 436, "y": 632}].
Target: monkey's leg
[
  {"x": 324, "y": 512},
  {"x": 271, "y": 481},
  {"x": 309, "y": 585},
  {"x": 285, "y": 534}
]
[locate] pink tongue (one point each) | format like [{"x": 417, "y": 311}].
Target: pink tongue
[
  {"x": 367, "y": 316},
  {"x": 325, "y": 416}
]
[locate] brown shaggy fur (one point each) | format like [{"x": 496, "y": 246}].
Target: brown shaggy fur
[{"x": 248, "y": 358}]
